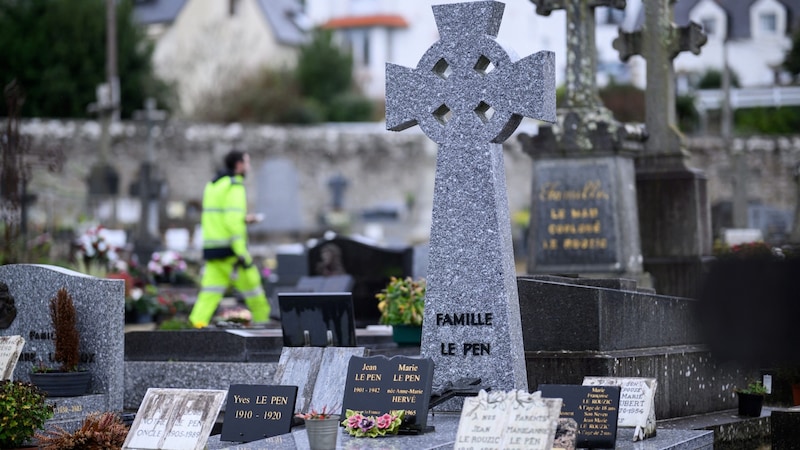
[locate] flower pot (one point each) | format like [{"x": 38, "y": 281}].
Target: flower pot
[
  {"x": 322, "y": 433},
  {"x": 62, "y": 384},
  {"x": 750, "y": 404},
  {"x": 407, "y": 334}
]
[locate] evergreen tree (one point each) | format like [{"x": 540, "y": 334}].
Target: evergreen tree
[{"x": 56, "y": 50}]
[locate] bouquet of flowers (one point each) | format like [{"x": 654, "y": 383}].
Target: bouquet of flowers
[
  {"x": 93, "y": 252},
  {"x": 359, "y": 425},
  {"x": 165, "y": 266}
]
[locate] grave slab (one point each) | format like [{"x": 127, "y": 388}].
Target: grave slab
[
  {"x": 443, "y": 438},
  {"x": 329, "y": 385}
]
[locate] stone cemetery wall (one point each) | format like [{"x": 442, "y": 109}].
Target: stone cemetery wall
[{"x": 381, "y": 167}]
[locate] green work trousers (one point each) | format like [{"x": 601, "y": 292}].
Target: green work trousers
[{"x": 220, "y": 274}]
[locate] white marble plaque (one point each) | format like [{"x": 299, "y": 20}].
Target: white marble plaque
[
  {"x": 507, "y": 420},
  {"x": 174, "y": 419},
  {"x": 636, "y": 403},
  {"x": 10, "y": 349}
]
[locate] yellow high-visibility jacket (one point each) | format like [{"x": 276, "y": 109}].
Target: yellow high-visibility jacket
[{"x": 223, "y": 219}]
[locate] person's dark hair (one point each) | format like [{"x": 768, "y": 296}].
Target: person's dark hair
[{"x": 233, "y": 157}]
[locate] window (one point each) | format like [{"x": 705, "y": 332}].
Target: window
[
  {"x": 709, "y": 25},
  {"x": 768, "y": 22}
]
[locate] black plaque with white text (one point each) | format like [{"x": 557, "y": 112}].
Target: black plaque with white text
[
  {"x": 255, "y": 412},
  {"x": 377, "y": 385},
  {"x": 594, "y": 408}
]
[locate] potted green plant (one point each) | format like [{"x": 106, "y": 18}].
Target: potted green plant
[
  {"x": 751, "y": 399},
  {"x": 322, "y": 428},
  {"x": 98, "y": 430},
  {"x": 66, "y": 380},
  {"x": 401, "y": 304},
  {"x": 23, "y": 411}
]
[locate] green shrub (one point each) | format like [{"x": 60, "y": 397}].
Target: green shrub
[
  {"x": 23, "y": 411},
  {"x": 349, "y": 108}
]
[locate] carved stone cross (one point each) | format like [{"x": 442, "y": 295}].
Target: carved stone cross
[
  {"x": 659, "y": 43},
  {"x": 581, "y": 84},
  {"x": 468, "y": 95}
]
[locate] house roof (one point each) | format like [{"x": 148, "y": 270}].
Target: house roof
[
  {"x": 150, "y": 12},
  {"x": 738, "y": 12},
  {"x": 287, "y": 19},
  {"x": 375, "y": 20}
]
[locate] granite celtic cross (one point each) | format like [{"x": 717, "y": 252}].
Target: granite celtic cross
[{"x": 468, "y": 95}]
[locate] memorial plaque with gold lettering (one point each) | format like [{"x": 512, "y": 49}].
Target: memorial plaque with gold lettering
[
  {"x": 594, "y": 408},
  {"x": 377, "y": 385},
  {"x": 255, "y": 412},
  {"x": 575, "y": 222}
]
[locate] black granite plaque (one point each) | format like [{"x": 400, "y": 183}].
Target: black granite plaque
[
  {"x": 575, "y": 223},
  {"x": 255, "y": 412},
  {"x": 377, "y": 385},
  {"x": 594, "y": 408}
]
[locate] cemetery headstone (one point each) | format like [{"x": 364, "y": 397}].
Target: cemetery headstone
[
  {"x": 674, "y": 211},
  {"x": 583, "y": 204},
  {"x": 10, "y": 349},
  {"x": 468, "y": 94},
  {"x": 174, "y": 419},
  {"x": 508, "y": 420},
  {"x": 254, "y": 412},
  {"x": 594, "y": 408},
  {"x": 320, "y": 319},
  {"x": 100, "y": 308},
  {"x": 637, "y": 407},
  {"x": 299, "y": 366},
  {"x": 278, "y": 198},
  {"x": 378, "y": 385},
  {"x": 369, "y": 266},
  {"x": 332, "y": 376}
]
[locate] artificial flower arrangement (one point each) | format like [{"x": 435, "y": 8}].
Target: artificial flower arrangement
[
  {"x": 325, "y": 413},
  {"x": 359, "y": 425}
]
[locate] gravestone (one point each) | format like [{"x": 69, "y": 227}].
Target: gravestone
[
  {"x": 370, "y": 267},
  {"x": 594, "y": 408},
  {"x": 672, "y": 197},
  {"x": 299, "y": 366},
  {"x": 378, "y": 385},
  {"x": 100, "y": 307},
  {"x": 255, "y": 412},
  {"x": 583, "y": 204},
  {"x": 332, "y": 376},
  {"x": 508, "y": 420},
  {"x": 10, "y": 348},
  {"x": 278, "y": 198},
  {"x": 468, "y": 95},
  {"x": 174, "y": 419},
  {"x": 637, "y": 407}
]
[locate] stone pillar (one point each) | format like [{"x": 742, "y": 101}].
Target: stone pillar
[{"x": 674, "y": 213}]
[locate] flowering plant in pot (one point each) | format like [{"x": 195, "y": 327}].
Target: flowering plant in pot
[
  {"x": 322, "y": 428},
  {"x": 66, "y": 380},
  {"x": 751, "y": 399},
  {"x": 23, "y": 411},
  {"x": 401, "y": 304}
]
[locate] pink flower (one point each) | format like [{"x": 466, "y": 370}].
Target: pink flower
[
  {"x": 353, "y": 421},
  {"x": 384, "y": 421}
]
